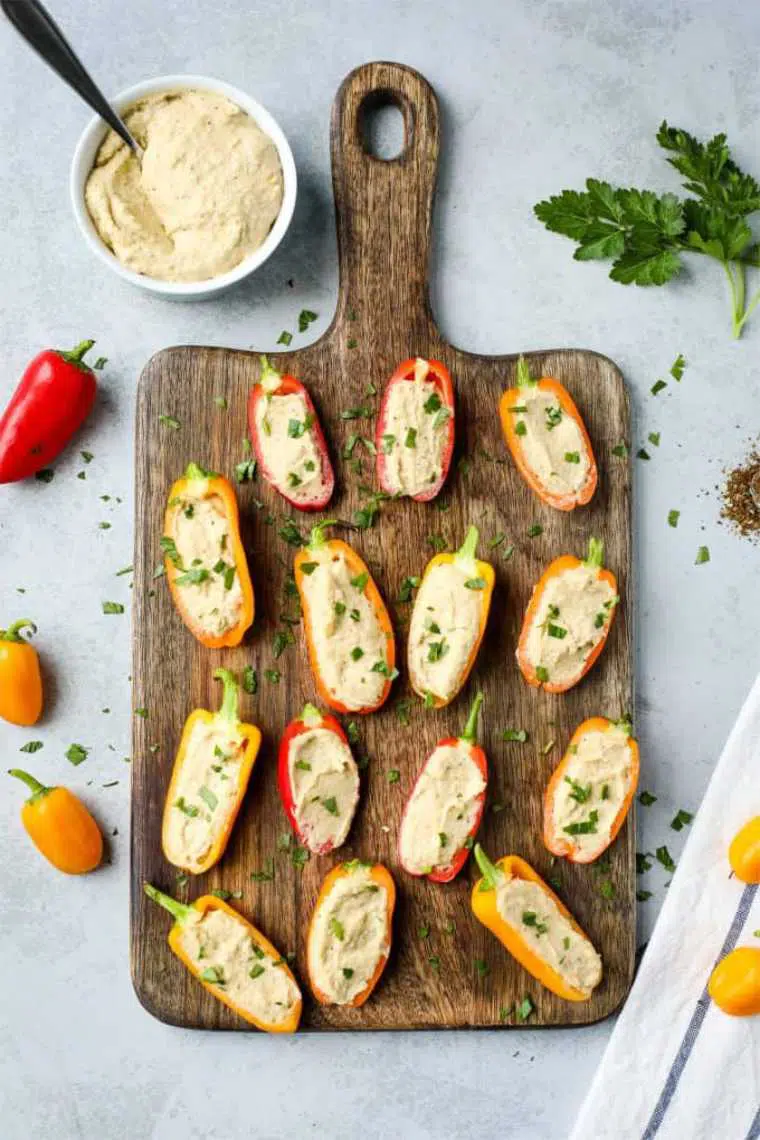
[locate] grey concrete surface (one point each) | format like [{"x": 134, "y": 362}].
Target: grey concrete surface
[{"x": 535, "y": 96}]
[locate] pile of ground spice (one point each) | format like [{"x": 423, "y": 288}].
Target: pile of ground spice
[{"x": 741, "y": 497}]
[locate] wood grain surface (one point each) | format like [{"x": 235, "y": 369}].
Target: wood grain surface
[{"x": 433, "y": 980}]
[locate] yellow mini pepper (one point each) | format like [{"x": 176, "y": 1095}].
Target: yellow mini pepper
[
  {"x": 60, "y": 827},
  {"x": 20, "y": 678}
]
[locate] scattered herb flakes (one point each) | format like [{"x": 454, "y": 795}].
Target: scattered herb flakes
[
  {"x": 673, "y": 517},
  {"x": 359, "y": 412},
  {"x": 46, "y": 475},
  {"x": 266, "y": 874},
  {"x": 403, "y": 710},
  {"x": 607, "y": 889},
  {"x": 104, "y": 526},
  {"x": 352, "y": 342},
  {"x": 169, "y": 422},
  {"x": 535, "y": 530},
  {"x": 408, "y": 586},
  {"x": 142, "y": 712},
  {"x": 620, "y": 449},
  {"x": 643, "y": 862},
  {"x": 524, "y": 1010},
  {"x": 410, "y": 439},
  {"x": 542, "y": 674},
  {"x": 245, "y": 471},
  {"x": 113, "y": 608},
  {"x": 654, "y": 438},
  {"x": 482, "y": 967},
  {"x": 497, "y": 540},
  {"x": 31, "y": 746},
  {"x": 82, "y": 475},
  {"x": 273, "y": 676},
  {"x": 423, "y": 931},
  {"x": 87, "y": 456},
  {"x": 642, "y": 896},
  {"x": 664, "y": 858},
  {"x": 299, "y": 856},
  {"x": 100, "y": 363},
  {"x": 646, "y": 799},
  {"x": 642, "y": 453},
  {"x": 76, "y": 753},
  {"x": 437, "y": 542},
  {"x": 678, "y": 367},
  {"x": 221, "y": 402},
  {"x": 393, "y": 776},
  {"x": 703, "y": 555},
  {"x": 305, "y": 318},
  {"x": 250, "y": 680},
  {"x": 124, "y": 570},
  {"x": 225, "y": 895},
  {"x": 285, "y": 337},
  {"x": 282, "y": 639},
  {"x": 657, "y": 387},
  {"x": 434, "y": 962},
  {"x": 681, "y": 819},
  {"x": 449, "y": 927},
  {"x": 290, "y": 533}
]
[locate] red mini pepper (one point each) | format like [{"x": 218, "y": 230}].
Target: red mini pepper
[
  {"x": 407, "y": 372},
  {"x": 52, "y": 400},
  {"x": 276, "y": 384}
]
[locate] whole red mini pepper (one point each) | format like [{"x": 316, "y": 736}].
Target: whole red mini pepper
[{"x": 52, "y": 400}]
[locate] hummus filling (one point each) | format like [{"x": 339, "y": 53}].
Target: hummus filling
[
  {"x": 206, "y": 792},
  {"x": 551, "y": 441},
  {"x": 350, "y": 644},
  {"x": 597, "y": 780},
  {"x": 415, "y": 433},
  {"x": 349, "y": 936},
  {"x": 227, "y": 956},
  {"x": 442, "y": 809},
  {"x": 540, "y": 923},
  {"x": 325, "y": 783},
  {"x": 288, "y": 448},
  {"x": 212, "y": 594},
  {"x": 205, "y": 195},
  {"x": 570, "y": 622},
  {"x": 444, "y": 628}
]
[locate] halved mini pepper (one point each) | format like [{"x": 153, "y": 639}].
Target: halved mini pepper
[
  {"x": 211, "y": 771},
  {"x": 205, "y": 563},
  {"x": 20, "y": 678},
  {"x": 548, "y": 440},
  {"x": 318, "y": 780},
  {"x": 414, "y": 437},
  {"x": 60, "y": 827},
  {"x": 353, "y": 914},
  {"x": 591, "y": 790},
  {"x": 734, "y": 984},
  {"x": 744, "y": 852},
  {"x": 448, "y": 622},
  {"x": 250, "y": 987},
  {"x": 288, "y": 440},
  {"x": 438, "y": 828},
  {"x": 516, "y": 905},
  {"x": 567, "y": 620},
  {"x": 348, "y": 631}
]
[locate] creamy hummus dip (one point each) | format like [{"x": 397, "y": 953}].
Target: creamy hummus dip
[
  {"x": 596, "y": 782},
  {"x": 349, "y": 936},
  {"x": 535, "y": 916},
  {"x": 571, "y": 620},
  {"x": 348, "y": 639},
  {"x": 206, "y": 793},
  {"x": 288, "y": 450},
  {"x": 228, "y": 957},
  {"x": 415, "y": 433},
  {"x": 325, "y": 783},
  {"x": 552, "y": 442},
  {"x": 442, "y": 810},
  {"x": 443, "y": 630},
  {"x": 205, "y": 195},
  {"x": 200, "y": 530}
]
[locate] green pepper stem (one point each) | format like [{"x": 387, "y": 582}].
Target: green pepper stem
[
  {"x": 270, "y": 378},
  {"x": 180, "y": 911},
  {"x": 195, "y": 471},
  {"x": 470, "y": 733},
  {"x": 492, "y": 875},
  {"x": 230, "y": 697},
  {"x": 317, "y": 536},
  {"x": 466, "y": 552},
  {"x": 624, "y": 724},
  {"x": 524, "y": 378},
  {"x": 12, "y": 633},
  {"x": 76, "y": 355},
  {"x": 311, "y": 715},
  {"x": 35, "y": 787},
  {"x": 595, "y": 556}
]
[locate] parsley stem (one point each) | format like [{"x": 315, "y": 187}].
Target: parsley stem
[
  {"x": 229, "y": 707},
  {"x": 179, "y": 910},
  {"x": 749, "y": 309}
]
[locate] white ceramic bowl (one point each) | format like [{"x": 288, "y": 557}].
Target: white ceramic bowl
[{"x": 84, "y": 156}]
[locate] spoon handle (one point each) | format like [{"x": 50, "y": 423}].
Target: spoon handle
[{"x": 40, "y": 31}]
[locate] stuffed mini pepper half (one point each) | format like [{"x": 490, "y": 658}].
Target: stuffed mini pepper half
[
  {"x": 350, "y": 933},
  {"x": 318, "y": 780},
  {"x": 415, "y": 430},
  {"x": 204, "y": 559}
]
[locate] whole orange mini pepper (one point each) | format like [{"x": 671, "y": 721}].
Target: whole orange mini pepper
[
  {"x": 222, "y": 567},
  {"x": 60, "y": 827},
  {"x": 734, "y": 984},
  {"x": 20, "y": 678},
  {"x": 209, "y": 799},
  {"x": 211, "y": 975},
  {"x": 744, "y": 852}
]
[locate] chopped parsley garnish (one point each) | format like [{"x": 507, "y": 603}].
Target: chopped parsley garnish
[
  {"x": 389, "y": 442},
  {"x": 337, "y": 929},
  {"x": 423, "y": 931},
  {"x": 245, "y": 471},
  {"x": 385, "y": 669},
  {"x": 141, "y": 712},
  {"x": 285, "y": 338},
  {"x": 76, "y": 753},
  {"x": 542, "y": 673},
  {"x": 340, "y": 607},
  {"x": 309, "y": 568},
  {"x": 305, "y": 318},
  {"x": 250, "y": 680},
  {"x": 352, "y": 732},
  {"x": 87, "y": 456},
  {"x": 437, "y": 650},
  {"x": 282, "y": 639},
  {"x": 497, "y": 540},
  {"x": 437, "y": 542},
  {"x": 357, "y": 653},
  {"x": 403, "y": 709},
  {"x": 192, "y": 577},
  {"x": 208, "y": 797},
  {"x": 169, "y": 547},
  {"x": 621, "y": 450},
  {"x": 643, "y": 863},
  {"x": 31, "y": 746},
  {"x": 170, "y": 422},
  {"x": 348, "y": 973},
  {"x": 520, "y": 428},
  {"x": 407, "y": 587},
  {"x": 256, "y": 971},
  {"x": 350, "y": 444},
  {"x": 654, "y": 438},
  {"x": 266, "y": 875},
  {"x": 432, "y": 404},
  {"x": 297, "y": 428},
  {"x": 355, "y": 615},
  {"x": 221, "y": 893},
  {"x": 221, "y": 402},
  {"x": 213, "y": 974},
  {"x": 664, "y": 859},
  {"x": 703, "y": 555},
  {"x": 553, "y": 416},
  {"x": 294, "y": 480},
  {"x": 646, "y": 799},
  {"x": 330, "y": 805},
  {"x": 530, "y": 918},
  {"x": 187, "y": 809},
  {"x": 434, "y": 962},
  {"x": 475, "y": 584},
  {"x": 583, "y": 826},
  {"x": 302, "y": 765},
  {"x": 642, "y": 896},
  {"x": 273, "y": 676},
  {"x": 673, "y": 517},
  {"x": 113, "y": 608},
  {"x": 605, "y": 792},
  {"x": 681, "y": 819},
  {"x": 429, "y": 699},
  {"x": 657, "y": 387},
  {"x": 360, "y": 581},
  {"x": 677, "y": 367},
  {"x": 642, "y": 453},
  {"x": 352, "y": 342},
  {"x": 482, "y": 967},
  {"x": 556, "y": 631},
  {"x": 572, "y": 457},
  {"x": 360, "y": 412},
  {"x": 410, "y": 440},
  {"x": 524, "y": 1009},
  {"x": 535, "y": 530},
  {"x": 442, "y": 416},
  {"x": 607, "y": 889},
  {"x": 393, "y": 776},
  {"x": 290, "y": 533},
  {"x": 516, "y": 734},
  {"x": 578, "y": 792}
]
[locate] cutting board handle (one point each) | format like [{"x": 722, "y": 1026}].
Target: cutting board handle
[{"x": 383, "y": 207}]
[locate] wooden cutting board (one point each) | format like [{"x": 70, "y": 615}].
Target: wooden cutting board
[{"x": 433, "y": 980}]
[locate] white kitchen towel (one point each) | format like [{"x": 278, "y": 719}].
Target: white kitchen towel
[{"x": 676, "y": 1068}]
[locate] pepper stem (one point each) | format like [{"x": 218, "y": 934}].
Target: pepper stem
[
  {"x": 317, "y": 536},
  {"x": 230, "y": 696},
  {"x": 524, "y": 378},
  {"x": 492, "y": 875},
  {"x": 180, "y": 911},
  {"x": 76, "y": 355},
  {"x": 311, "y": 715},
  {"x": 35, "y": 787},
  {"x": 595, "y": 556},
  {"x": 195, "y": 471},
  {"x": 270, "y": 378},
  {"x": 470, "y": 733},
  {"x": 466, "y": 552},
  {"x": 12, "y": 633}
]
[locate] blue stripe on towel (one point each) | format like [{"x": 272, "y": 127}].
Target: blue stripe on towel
[
  {"x": 754, "y": 1128},
  {"x": 694, "y": 1026}
]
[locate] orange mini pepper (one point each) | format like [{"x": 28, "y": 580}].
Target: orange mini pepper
[
  {"x": 210, "y": 796},
  {"x": 20, "y": 678},
  {"x": 316, "y": 557},
  {"x": 483, "y": 902},
  {"x": 513, "y": 410},
  {"x": 204, "y": 970},
  {"x": 60, "y": 827},
  {"x": 535, "y": 673},
  {"x": 744, "y": 852},
  {"x": 478, "y": 578},
  {"x": 563, "y": 843},
  {"x": 734, "y": 984},
  {"x": 382, "y": 877},
  {"x": 223, "y": 563}
]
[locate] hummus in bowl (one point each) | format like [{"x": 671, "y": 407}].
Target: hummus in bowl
[{"x": 208, "y": 203}]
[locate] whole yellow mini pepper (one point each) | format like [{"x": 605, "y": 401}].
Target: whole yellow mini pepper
[
  {"x": 20, "y": 678},
  {"x": 60, "y": 827}
]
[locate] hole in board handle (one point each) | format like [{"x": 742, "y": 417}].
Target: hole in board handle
[{"x": 382, "y": 126}]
